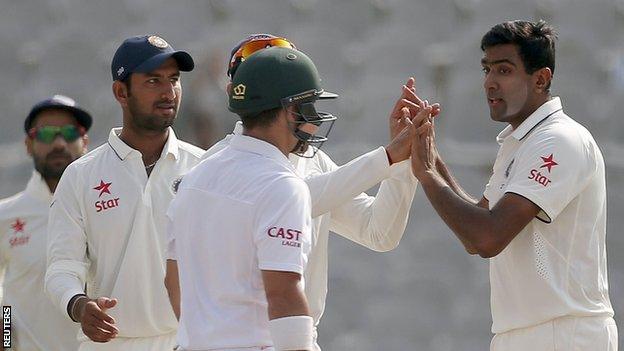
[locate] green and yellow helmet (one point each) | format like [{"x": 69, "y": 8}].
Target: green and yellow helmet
[{"x": 281, "y": 77}]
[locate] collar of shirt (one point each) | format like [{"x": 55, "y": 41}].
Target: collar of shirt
[
  {"x": 546, "y": 110},
  {"x": 293, "y": 158},
  {"x": 238, "y": 128},
  {"x": 38, "y": 188},
  {"x": 123, "y": 150},
  {"x": 260, "y": 147}
]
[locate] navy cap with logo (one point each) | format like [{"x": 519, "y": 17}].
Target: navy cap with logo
[
  {"x": 60, "y": 102},
  {"x": 144, "y": 54}
]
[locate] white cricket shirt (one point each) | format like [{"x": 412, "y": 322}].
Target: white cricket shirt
[
  {"x": 108, "y": 230},
  {"x": 240, "y": 211},
  {"x": 37, "y": 325},
  {"x": 340, "y": 205},
  {"x": 556, "y": 266}
]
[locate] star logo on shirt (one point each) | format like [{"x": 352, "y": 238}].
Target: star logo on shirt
[
  {"x": 548, "y": 162},
  {"x": 18, "y": 226},
  {"x": 103, "y": 188}
]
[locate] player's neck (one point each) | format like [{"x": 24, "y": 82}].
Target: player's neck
[
  {"x": 270, "y": 135},
  {"x": 149, "y": 145}
]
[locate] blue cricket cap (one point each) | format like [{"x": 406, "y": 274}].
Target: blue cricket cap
[
  {"x": 145, "y": 54},
  {"x": 60, "y": 102}
]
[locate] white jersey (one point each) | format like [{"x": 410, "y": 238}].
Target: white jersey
[
  {"x": 339, "y": 205},
  {"x": 556, "y": 266},
  {"x": 241, "y": 211},
  {"x": 37, "y": 325},
  {"x": 108, "y": 230}
]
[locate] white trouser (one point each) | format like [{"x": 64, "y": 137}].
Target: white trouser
[
  {"x": 156, "y": 343},
  {"x": 561, "y": 334}
]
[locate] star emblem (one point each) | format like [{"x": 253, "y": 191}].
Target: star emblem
[
  {"x": 18, "y": 226},
  {"x": 103, "y": 188},
  {"x": 548, "y": 162}
]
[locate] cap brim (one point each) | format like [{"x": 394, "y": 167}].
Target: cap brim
[
  {"x": 327, "y": 95},
  {"x": 184, "y": 60}
]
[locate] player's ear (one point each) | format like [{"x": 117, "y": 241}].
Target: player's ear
[
  {"x": 121, "y": 92},
  {"x": 543, "y": 77},
  {"x": 28, "y": 141},
  {"x": 228, "y": 88},
  {"x": 85, "y": 143}
]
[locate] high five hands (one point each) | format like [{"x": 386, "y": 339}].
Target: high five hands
[{"x": 407, "y": 107}]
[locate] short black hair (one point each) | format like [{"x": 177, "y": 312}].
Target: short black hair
[
  {"x": 535, "y": 41},
  {"x": 262, "y": 119}
]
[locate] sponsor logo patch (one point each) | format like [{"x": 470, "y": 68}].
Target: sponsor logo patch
[
  {"x": 102, "y": 205},
  {"x": 18, "y": 239},
  {"x": 289, "y": 237},
  {"x": 548, "y": 163}
]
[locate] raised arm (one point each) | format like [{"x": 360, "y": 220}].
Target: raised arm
[
  {"x": 338, "y": 185},
  {"x": 482, "y": 230}
]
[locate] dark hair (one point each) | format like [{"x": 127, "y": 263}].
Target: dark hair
[
  {"x": 262, "y": 119},
  {"x": 535, "y": 41}
]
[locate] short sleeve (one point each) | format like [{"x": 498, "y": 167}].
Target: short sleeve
[
  {"x": 282, "y": 226},
  {"x": 551, "y": 169}
]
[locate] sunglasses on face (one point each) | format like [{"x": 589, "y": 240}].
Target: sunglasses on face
[
  {"x": 251, "y": 47},
  {"x": 47, "y": 134}
]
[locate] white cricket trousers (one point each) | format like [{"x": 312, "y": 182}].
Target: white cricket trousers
[
  {"x": 561, "y": 334},
  {"x": 156, "y": 343}
]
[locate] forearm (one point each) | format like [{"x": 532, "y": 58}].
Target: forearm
[
  {"x": 172, "y": 283},
  {"x": 289, "y": 302},
  {"x": 473, "y": 225},
  {"x": 379, "y": 222},
  {"x": 332, "y": 188},
  {"x": 446, "y": 174}
]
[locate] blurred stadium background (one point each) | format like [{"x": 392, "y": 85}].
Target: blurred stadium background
[{"x": 427, "y": 294}]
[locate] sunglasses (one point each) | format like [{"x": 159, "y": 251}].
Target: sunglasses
[
  {"x": 47, "y": 134},
  {"x": 251, "y": 47}
]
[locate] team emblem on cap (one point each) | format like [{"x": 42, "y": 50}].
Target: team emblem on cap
[
  {"x": 239, "y": 92},
  {"x": 120, "y": 71},
  {"x": 157, "y": 41}
]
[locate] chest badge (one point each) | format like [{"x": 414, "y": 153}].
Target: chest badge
[
  {"x": 103, "y": 205},
  {"x": 18, "y": 239}
]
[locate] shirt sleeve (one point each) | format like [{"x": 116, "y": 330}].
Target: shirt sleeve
[
  {"x": 282, "y": 230},
  {"x": 170, "y": 252},
  {"x": 378, "y": 222},
  {"x": 551, "y": 169},
  {"x": 67, "y": 244},
  {"x": 340, "y": 184}
]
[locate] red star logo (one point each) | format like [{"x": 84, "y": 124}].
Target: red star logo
[
  {"x": 548, "y": 162},
  {"x": 18, "y": 226},
  {"x": 103, "y": 188}
]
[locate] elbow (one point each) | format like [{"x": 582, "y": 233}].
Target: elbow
[
  {"x": 385, "y": 245},
  {"x": 488, "y": 248}
]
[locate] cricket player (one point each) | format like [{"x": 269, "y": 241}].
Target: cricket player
[
  {"x": 55, "y": 136},
  {"x": 242, "y": 253},
  {"x": 107, "y": 220},
  {"x": 338, "y": 201},
  {"x": 542, "y": 218}
]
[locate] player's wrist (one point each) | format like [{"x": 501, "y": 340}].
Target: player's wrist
[
  {"x": 75, "y": 307},
  {"x": 292, "y": 333}
]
